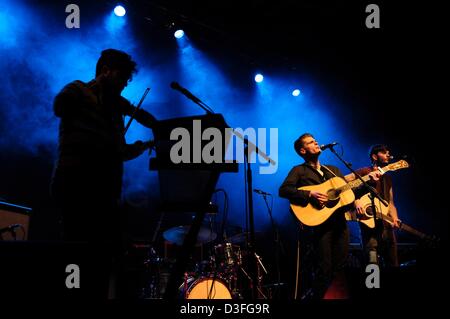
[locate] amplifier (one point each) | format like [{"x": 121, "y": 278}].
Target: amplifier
[{"x": 14, "y": 221}]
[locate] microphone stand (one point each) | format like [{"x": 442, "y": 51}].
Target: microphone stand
[
  {"x": 276, "y": 236},
  {"x": 372, "y": 190},
  {"x": 251, "y": 222},
  {"x": 378, "y": 235},
  {"x": 248, "y": 146},
  {"x": 192, "y": 97},
  {"x": 251, "y": 243},
  {"x": 203, "y": 105}
]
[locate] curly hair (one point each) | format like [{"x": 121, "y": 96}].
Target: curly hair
[{"x": 117, "y": 60}]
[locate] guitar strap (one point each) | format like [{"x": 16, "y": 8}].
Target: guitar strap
[{"x": 329, "y": 170}]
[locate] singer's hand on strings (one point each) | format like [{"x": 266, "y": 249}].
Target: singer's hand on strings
[
  {"x": 375, "y": 176},
  {"x": 321, "y": 198},
  {"x": 395, "y": 222},
  {"x": 359, "y": 208}
]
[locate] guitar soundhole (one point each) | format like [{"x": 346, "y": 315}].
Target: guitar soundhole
[
  {"x": 333, "y": 194},
  {"x": 333, "y": 198},
  {"x": 369, "y": 211}
]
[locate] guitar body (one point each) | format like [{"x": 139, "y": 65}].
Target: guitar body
[
  {"x": 312, "y": 214},
  {"x": 339, "y": 194},
  {"x": 382, "y": 213},
  {"x": 367, "y": 219}
]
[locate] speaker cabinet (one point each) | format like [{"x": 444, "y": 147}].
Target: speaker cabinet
[{"x": 14, "y": 221}]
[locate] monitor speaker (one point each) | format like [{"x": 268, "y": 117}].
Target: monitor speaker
[{"x": 14, "y": 221}]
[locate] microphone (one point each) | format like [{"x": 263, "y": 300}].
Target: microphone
[
  {"x": 323, "y": 147},
  {"x": 9, "y": 228},
  {"x": 189, "y": 95},
  {"x": 258, "y": 191}
]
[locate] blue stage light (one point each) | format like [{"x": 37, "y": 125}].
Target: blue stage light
[
  {"x": 179, "y": 34},
  {"x": 119, "y": 11},
  {"x": 259, "y": 78}
]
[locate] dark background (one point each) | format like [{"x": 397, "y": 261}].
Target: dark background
[{"x": 385, "y": 85}]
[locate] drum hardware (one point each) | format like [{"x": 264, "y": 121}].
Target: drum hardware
[
  {"x": 177, "y": 234},
  {"x": 205, "y": 287},
  {"x": 222, "y": 275},
  {"x": 155, "y": 274},
  {"x": 259, "y": 260},
  {"x": 216, "y": 277},
  {"x": 228, "y": 255}
]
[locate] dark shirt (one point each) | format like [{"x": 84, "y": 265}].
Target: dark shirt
[
  {"x": 303, "y": 175},
  {"x": 383, "y": 185},
  {"x": 91, "y": 132}
]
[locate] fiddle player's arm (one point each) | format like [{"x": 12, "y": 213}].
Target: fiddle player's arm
[{"x": 141, "y": 116}]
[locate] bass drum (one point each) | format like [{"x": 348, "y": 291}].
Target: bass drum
[{"x": 205, "y": 288}]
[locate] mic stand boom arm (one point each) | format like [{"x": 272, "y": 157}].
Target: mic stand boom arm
[
  {"x": 208, "y": 110},
  {"x": 367, "y": 186},
  {"x": 248, "y": 148},
  {"x": 192, "y": 97},
  {"x": 372, "y": 190}
]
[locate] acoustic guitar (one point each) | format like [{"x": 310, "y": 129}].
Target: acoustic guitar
[
  {"x": 340, "y": 194},
  {"x": 381, "y": 213}
]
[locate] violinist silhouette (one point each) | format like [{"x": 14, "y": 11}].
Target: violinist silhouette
[{"x": 87, "y": 178}]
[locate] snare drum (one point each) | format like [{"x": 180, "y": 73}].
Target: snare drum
[
  {"x": 228, "y": 254},
  {"x": 205, "y": 288}
]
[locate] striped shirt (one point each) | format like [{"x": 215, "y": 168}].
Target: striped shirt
[{"x": 91, "y": 130}]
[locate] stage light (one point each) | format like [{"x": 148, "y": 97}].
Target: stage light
[
  {"x": 119, "y": 11},
  {"x": 296, "y": 92},
  {"x": 259, "y": 78},
  {"x": 179, "y": 34}
]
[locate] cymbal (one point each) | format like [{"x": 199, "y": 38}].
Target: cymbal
[
  {"x": 241, "y": 237},
  {"x": 177, "y": 234}
]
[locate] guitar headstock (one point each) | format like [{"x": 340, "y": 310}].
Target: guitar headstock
[{"x": 397, "y": 165}]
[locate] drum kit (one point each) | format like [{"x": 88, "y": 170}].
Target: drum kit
[{"x": 221, "y": 274}]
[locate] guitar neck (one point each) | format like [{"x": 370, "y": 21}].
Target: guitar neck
[
  {"x": 403, "y": 227},
  {"x": 413, "y": 231},
  {"x": 359, "y": 181},
  {"x": 354, "y": 184}
]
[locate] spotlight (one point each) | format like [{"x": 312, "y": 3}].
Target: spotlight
[
  {"x": 179, "y": 34},
  {"x": 119, "y": 11},
  {"x": 296, "y": 92},
  {"x": 259, "y": 78}
]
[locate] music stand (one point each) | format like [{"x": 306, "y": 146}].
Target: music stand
[{"x": 188, "y": 187}]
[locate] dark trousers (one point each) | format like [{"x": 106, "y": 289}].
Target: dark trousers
[
  {"x": 91, "y": 219},
  {"x": 380, "y": 241},
  {"x": 331, "y": 241}
]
